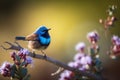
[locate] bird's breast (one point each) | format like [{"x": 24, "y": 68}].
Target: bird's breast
[
  {"x": 36, "y": 45},
  {"x": 44, "y": 41}
]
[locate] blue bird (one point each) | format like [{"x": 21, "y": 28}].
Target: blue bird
[{"x": 38, "y": 40}]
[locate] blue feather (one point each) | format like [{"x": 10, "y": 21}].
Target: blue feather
[
  {"x": 42, "y": 40},
  {"x": 40, "y": 29}
]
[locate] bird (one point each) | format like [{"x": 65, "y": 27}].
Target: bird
[{"x": 38, "y": 40}]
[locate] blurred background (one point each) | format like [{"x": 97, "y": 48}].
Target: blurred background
[{"x": 70, "y": 21}]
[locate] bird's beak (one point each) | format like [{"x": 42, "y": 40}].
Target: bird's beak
[{"x": 49, "y": 29}]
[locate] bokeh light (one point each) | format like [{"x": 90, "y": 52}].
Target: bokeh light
[{"x": 70, "y": 21}]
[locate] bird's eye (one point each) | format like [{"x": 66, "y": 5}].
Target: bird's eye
[{"x": 44, "y": 30}]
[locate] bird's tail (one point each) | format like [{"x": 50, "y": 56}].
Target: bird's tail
[{"x": 20, "y": 38}]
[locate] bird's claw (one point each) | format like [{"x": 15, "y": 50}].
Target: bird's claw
[
  {"x": 33, "y": 54},
  {"x": 44, "y": 55}
]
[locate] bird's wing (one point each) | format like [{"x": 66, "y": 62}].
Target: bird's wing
[{"x": 32, "y": 37}]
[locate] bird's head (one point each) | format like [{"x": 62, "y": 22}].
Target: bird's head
[{"x": 41, "y": 30}]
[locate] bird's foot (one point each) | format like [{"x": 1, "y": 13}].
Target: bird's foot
[
  {"x": 44, "y": 55},
  {"x": 33, "y": 53}
]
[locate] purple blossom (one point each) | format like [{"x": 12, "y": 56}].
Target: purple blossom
[
  {"x": 78, "y": 56},
  {"x": 93, "y": 36},
  {"x": 66, "y": 75},
  {"x": 114, "y": 38},
  {"x": 24, "y": 51},
  {"x": 84, "y": 67},
  {"x": 71, "y": 64},
  {"x": 79, "y": 63},
  {"x": 13, "y": 55},
  {"x": 21, "y": 60},
  {"x": 80, "y": 46},
  {"x": 29, "y": 60},
  {"x": 21, "y": 56},
  {"x": 88, "y": 59},
  {"x": 5, "y": 69},
  {"x": 116, "y": 45},
  {"x": 82, "y": 58},
  {"x": 83, "y": 63},
  {"x": 5, "y": 65}
]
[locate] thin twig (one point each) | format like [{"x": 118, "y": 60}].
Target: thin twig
[{"x": 16, "y": 46}]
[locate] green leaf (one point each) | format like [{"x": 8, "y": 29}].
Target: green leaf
[
  {"x": 98, "y": 49},
  {"x": 92, "y": 51},
  {"x": 17, "y": 58},
  {"x": 23, "y": 63},
  {"x": 27, "y": 77},
  {"x": 24, "y": 72},
  {"x": 98, "y": 62},
  {"x": 13, "y": 70},
  {"x": 12, "y": 73}
]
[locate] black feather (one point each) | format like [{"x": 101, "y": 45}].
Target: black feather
[{"x": 19, "y": 38}]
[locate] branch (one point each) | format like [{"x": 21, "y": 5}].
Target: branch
[{"x": 17, "y": 47}]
